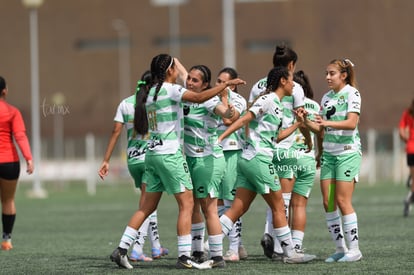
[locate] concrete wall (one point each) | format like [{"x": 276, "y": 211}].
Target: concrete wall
[{"x": 79, "y": 55}]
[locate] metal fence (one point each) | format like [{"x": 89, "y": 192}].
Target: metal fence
[{"x": 384, "y": 160}]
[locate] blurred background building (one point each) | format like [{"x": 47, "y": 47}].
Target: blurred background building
[{"x": 92, "y": 52}]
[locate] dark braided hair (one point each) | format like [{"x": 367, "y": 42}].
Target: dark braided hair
[
  {"x": 274, "y": 77},
  {"x": 141, "y": 94},
  {"x": 206, "y": 73},
  {"x": 273, "y": 80},
  {"x": 283, "y": 56},
  {"x": 159, "y": 66},
  {"x": 232, "y": 73},
  {"x": 301, "y": 78}
]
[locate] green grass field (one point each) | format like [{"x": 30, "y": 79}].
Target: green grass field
[{"x": 71, "y": 232}]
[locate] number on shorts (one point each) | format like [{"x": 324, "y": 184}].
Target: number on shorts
[{"x": 271, "y": 169}]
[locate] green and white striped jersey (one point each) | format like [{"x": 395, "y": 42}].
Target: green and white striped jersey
[
  {"x": 232, "y": 142},
  {"x": 335, "y": 107},
  {"x": 165, "y": 119},
  {"x": 137, "y": 144},
  {"x": 200, "y": 128},
  {"x": 313, "y": 108},
  {"x": 289, "y": 103},
  {"x": 263, "y": 130}
]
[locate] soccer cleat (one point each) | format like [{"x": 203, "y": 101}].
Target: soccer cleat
[
  {"x": 231, "y": 256},
  {"x": 407, "y": 207},
  {"x": 267, "y": 244},
  {"x": 242, "y": 253},
  {"x": 158, "y": 252},
  {"x": 199, "y": 256},
  {"x": 218, "y": 262},
  {"x": 407, "y": 204},
  {"x": 184, "y": 262},
  {"x": 298, "y": 258},
  {"x": 6, "y": 245},
  {"x": 139, "y": 257},
  {"x": 334, "y": 257},
  {"x": 351, "y": 256},
  {"x": 277, "y": 256},
  {"x": 120, "y": 258}
]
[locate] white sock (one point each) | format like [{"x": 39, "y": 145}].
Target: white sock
[
  {"x": 197, "y": 236},
  {"x": 153, "y": 230},
  {"x": 269, "y": 221},
  {"x": 128, "y": 238},
  {"x": 351, "y": 230},
  {"x": 333, "y": 221},
  {"x": 215, "y": 243},
  {"x": 269, "y": 230},
  {"x": 141, "y": 237},
  {"x": 221, "y": 209},
  {"x": 284, "y": 237},
  {"x": 297, "y": 238},
  {"x": 184, "y": 245},
  {"x": 235, "y": 236},
  {"x": 226, "y": 225},
  {"x": 286, "y": 200}
]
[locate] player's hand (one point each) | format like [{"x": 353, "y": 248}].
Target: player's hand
[
  {"x": 29, "y": 167},
  {"x": 104, "y": 170}
]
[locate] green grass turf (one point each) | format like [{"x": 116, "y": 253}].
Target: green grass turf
[{"x": 71, "y": 232}]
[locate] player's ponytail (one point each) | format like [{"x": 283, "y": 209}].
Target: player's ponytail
[{"x": 141, "y": 94}]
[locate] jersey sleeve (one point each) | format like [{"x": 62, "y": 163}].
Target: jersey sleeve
[
  {"x": 19, "y": 133},
  {"x": 177, "y": 92},
  {"x": 298, "y": 96},
  {"x": 257, "y": 89},
  {"x": 212, "y": 103},
  {"x": 260, "y": 106},
  {"x": 238, "y": 102},
  {"x": 354, "y": 102},
  {"x": 119, "y": 112}
]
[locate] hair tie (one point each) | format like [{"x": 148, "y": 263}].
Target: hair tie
[
  {"x": 169, "y": 66},
  {"x": 347, "y": 60},
  {"x": 140, "y": 83}
]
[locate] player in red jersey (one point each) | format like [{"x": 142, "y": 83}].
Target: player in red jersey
[
  {"x": 11, "y": 127},
  {"x": 407, "y": 135}
]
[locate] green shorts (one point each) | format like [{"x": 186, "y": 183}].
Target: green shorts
[
  {"x": 285, "y": 161},
  {"x": 206, "y": 174},
  {"x": 258, "y": 175},
  {"x": 167, "y": 173},
  {"x": 227, "y": 187},
  {"x": 342, "y": 168},
  {"x": 137, "y": 171},
  {"x": 305, "y": 171}
]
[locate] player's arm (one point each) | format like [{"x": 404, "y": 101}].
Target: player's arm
[
  {"x": 288, "y": 131},
  {"x": 116, "y": 131},
  {"x": 242, "y": 121},
  {"x": 350, "y": 123}
]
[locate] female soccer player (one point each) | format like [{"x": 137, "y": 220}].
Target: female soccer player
[
  {"x": 206, "y": 162},
  {"x": 164, "y": 160},
  {"x": 341, "y": 157},
  {"x": 232, "y": 147},
  {"x": 406, "y": 129},
  {"x": 305, "y": 168},
  {"x": 137, "y": 145},
  {"x": 11, "y": 127},
  {"x": 256, "y": 172}
]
